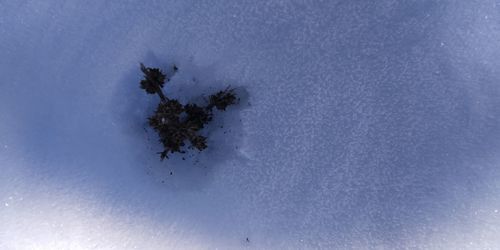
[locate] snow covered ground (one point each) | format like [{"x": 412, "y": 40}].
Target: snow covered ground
[{"x": 364, "y": 125}]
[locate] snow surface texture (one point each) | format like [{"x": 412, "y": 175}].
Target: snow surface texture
[{"x": 366, "y": 124}]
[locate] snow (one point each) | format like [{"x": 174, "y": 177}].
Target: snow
[{"x": 363, "y": 124}]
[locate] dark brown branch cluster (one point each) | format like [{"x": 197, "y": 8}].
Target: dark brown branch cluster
[{"x": 176, "y": 123}]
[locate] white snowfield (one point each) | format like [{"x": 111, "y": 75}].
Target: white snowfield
[{"x": 362, "y": 125}]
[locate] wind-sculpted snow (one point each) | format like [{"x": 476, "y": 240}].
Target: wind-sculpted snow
[{"x": 363, "y": 124}]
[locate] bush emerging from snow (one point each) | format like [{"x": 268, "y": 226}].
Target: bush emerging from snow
[{"x": 176, "y": 123}]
